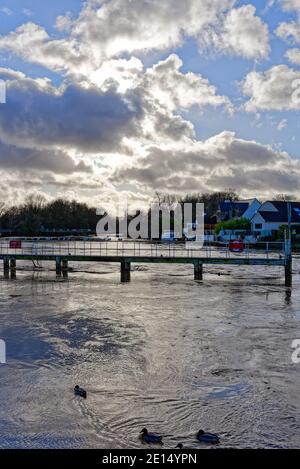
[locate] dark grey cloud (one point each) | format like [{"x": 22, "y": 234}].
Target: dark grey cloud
[
  {"x": 261, "y": 181},
  {"x": 86, "y": 119},
  {"x": 217, "y": 163},
  {"x": 27, "y": 159}
]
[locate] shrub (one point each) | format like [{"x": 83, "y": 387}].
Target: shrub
[{"x": 233, "y": 224}]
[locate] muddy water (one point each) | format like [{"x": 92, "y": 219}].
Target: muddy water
[{"x": 162, "y": 352}]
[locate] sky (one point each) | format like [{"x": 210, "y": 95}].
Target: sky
[{"x": 111, "y": 99}]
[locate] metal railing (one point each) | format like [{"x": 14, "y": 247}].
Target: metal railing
[{"x": 129, "y": 248}]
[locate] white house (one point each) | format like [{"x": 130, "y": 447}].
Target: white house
[{"x": 271, "y": 215}]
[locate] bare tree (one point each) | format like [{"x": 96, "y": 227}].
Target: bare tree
[
  {"x": 164, "y": 198},
  {"x": 284, "y": 197},
  {"x": 3, "y": 208},
  {"x": 35, "y": 202}
]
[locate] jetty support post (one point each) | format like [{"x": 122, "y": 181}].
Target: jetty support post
[
  {"x": 125, "y": 271},
  {"x": 198, "y": 270},
  {"x": 58, "y": 267},
  {"x": 65, "y": 268},
  {"x": 6, "y": 267},
  {"x": 288, "y": 274},
  {"x": 288, "y": 250},
  {"x": 13, "y": 268}
]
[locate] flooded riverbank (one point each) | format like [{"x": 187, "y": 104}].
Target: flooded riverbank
[{"x": 162, "y": 351}]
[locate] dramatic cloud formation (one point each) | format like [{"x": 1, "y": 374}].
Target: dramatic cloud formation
[
  {"x": 71, "y": 116},
  {"x": 175, "y": 90},
  {"x": 106, "y": 29},
  {"x": 220, "y": 162},
  {"x": 113, "y": 27},
  {"x": 93, "y": 119},
  {"x": 132, "y": 81},
  {"x": 117, "y": 115}
]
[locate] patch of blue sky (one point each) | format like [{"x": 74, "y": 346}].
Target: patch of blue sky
[{"x": 37, "y": 11}]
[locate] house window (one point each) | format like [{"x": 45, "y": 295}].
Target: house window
[{"x": 258, "y": 226}]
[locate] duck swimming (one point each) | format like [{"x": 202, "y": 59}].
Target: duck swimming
[
  {"x": 80, "y": 392},
  {"x": 204, "y": 437},
  {"x": 151, "y": 437}
]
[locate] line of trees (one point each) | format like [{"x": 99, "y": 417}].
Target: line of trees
[
  {"x": 211, "y": 200},
  {"x": 37, "y": 216}
]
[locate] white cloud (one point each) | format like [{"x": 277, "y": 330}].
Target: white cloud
[
  {"x": 289, "y": 32},
  {"x": 9, "y": 74},
  {"x": 282, "y": 125},
  {"x": 125, "y": 73},
  {"x": 290, "y": 5},
  {"x": 7, "y": 11},
  {"x": 105, "y": 30},
  {"x": 269, "y": 5},
  {"x": 33, "y": 44},
  {"x": 245, "y": 34},
  {"x": 275, "y": 89},
  {"x": 64, "y": 23},
  {"x": 293, "y": 55},
  {"x": 177, "y": 90},
  {"x": 239, "y": 32},
  {"x": 139, "y": 25},
  {"x": 27, "y": 12},
  {"x": 164, "y": 86}
]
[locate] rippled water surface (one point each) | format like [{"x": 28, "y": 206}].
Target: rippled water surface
[{"x": 162, "y": 351}]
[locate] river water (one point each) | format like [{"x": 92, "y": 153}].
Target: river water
[{"x": 162, "y": 351}]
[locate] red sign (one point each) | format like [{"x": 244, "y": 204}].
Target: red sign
[
  {"x": 16, "y": 244},
  {"x": 237, "y": 245}
]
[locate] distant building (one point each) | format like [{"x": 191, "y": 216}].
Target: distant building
[
  {"x": 271, "y": 215},
  {"x": 238, "y": 209}
]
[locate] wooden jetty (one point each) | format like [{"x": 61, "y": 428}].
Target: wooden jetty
[{"x": 128, "y": 252}]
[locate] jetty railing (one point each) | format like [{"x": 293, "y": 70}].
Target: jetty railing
[
  {"x": 134, "y": 248},
  {"x": 128, "y": 251}
]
